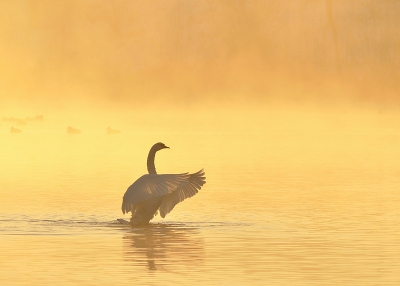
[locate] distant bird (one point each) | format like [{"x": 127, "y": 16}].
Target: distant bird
[
  {"x": 20, "y": 122},
  {"x": 72, "y": 130},
  {"x": 17, "y": 121},
  {"x": 112, "y": 131},
  {"x": 9, "y": 119},
  {"x": 15, "y": 130},
  {"x": 154, "y": 193},
  {"x": 36, "y": 118}
]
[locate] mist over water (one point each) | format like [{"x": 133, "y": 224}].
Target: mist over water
[
  {"x": 181, "y": 53},
  {"x": 291, "y": 108}
]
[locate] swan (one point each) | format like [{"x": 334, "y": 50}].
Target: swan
[
  {"x": 153, "y": 193},
  {"x": 36, "y": 118},
  {"x": 15, "y": 130},
  {"x": 72, "y": 130},
  {"x": 112, "y": 131}
]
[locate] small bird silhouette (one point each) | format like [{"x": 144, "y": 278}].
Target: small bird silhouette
[
  {"x": 72, "y": 130},
  {"x": 112, "y": 131},
  {"x": 15, "y": 130}
]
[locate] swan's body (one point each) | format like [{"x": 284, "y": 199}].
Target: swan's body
[{"x": 153, "y": 192}]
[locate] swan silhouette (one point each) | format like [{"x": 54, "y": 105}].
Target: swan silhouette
[
  {"x": 37, "y": 118},
  {"x": 153, "y": 192},
  {"x": 112, "y": 131},
  {"x": 72, "y": 130},
  {"x": 15, "y": 130}
]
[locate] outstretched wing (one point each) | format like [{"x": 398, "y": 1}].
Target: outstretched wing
[
  {"x": 151, "y": 186},
  {"x": 169, "y": 201}
]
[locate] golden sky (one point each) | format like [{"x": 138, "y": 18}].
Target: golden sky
[{"x": 184, "y": 51}]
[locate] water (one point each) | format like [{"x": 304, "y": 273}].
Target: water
[{"x": 291, "y": 200}]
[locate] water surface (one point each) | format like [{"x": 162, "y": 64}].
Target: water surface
[{"x": 309, "y": 200}]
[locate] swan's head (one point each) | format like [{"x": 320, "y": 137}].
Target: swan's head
[{"x": 159, "y": 146}]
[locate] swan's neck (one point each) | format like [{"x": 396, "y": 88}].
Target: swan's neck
[{"x": 151, "y": 168}]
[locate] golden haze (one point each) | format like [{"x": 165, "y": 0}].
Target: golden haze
[{"x": 190, "y": 53}]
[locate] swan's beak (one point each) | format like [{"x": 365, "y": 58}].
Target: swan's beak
[{"x": 166, "y": 147}]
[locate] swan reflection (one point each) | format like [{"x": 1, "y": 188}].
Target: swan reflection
[{"x": 158, "y": 246}]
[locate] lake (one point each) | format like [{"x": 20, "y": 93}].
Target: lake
[{"x": 292, "y": 197}]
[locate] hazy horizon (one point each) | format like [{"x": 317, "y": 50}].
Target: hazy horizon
[{"x": 190, "y": 53}]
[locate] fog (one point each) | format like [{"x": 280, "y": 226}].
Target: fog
[{"x": 142, "y": 54}]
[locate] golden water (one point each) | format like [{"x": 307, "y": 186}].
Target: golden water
[{"x": 292, "y": 198}]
